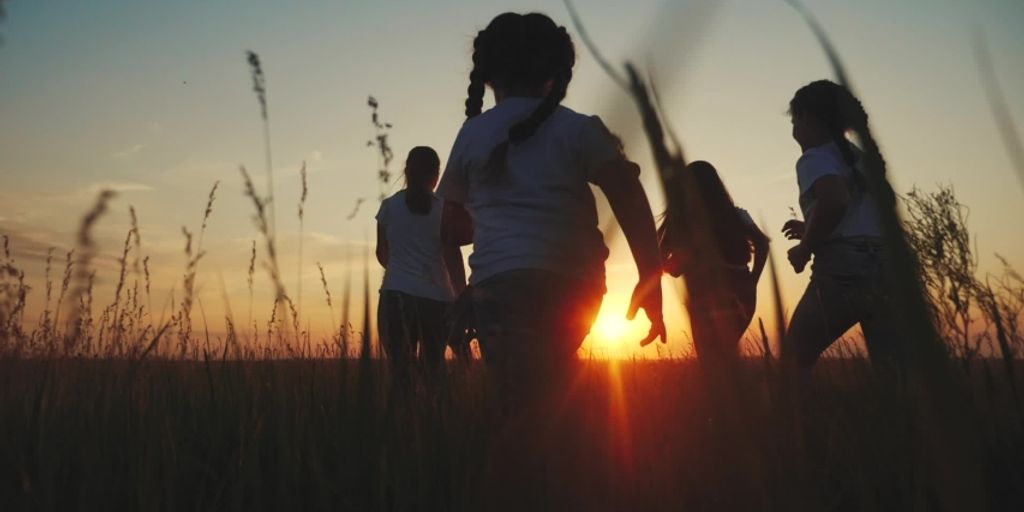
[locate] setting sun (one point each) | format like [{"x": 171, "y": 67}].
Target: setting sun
[
  {"x": 612, "y": 336},
  {"x": 610, "y": 326}
]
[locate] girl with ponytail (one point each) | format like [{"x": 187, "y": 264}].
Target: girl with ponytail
[
  {"x": 841, "y": 230},
  {"x": 417, "y": 288},
  {"x": 517, "y": 186}
]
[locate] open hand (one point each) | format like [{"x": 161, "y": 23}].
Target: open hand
[
  {"x": 647, "y": 296},
  {"x": 794, "y": 229}
]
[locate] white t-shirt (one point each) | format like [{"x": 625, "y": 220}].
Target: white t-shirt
[
  {"x": 415, "y": 263},
  {"x": 541, "y": 214},
  {"x": 861, "y": 217}
]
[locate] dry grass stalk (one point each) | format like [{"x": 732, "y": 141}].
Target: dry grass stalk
[
  {"x": 81, "y": 291},
  {"x": 384, "y": 153},
  {"x": 302, "y": 229},
  {"x": 270, "y": 246},
  {"x": 998, "y": 105},
  {"x": 259, "y": 86},
  {"x": 249, "y": 281}
]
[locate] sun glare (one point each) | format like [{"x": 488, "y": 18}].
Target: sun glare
[{"x": 610, "y": 326}]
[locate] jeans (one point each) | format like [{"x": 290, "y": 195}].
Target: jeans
[
  {"x": 530, "y": 324},
  {"x": 848, "y": 286},
  {"x": 720, "y": 312},
  {"x": 408, "y": 323}
]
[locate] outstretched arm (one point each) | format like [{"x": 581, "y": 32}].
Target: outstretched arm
[{"x": 620, "y": 182}]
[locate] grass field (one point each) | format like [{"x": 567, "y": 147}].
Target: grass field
[{"x": 323, "y": 435}]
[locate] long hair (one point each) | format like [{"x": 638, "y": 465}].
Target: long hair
[
  {"x": 838, "y": 109},
  {"x": 526, "y": 52},
  {"x": 421, "y": 170},
  {"x": 720, "y": 211}
]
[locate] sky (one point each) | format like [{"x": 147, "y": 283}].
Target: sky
[{"x": 153, "y": 100}]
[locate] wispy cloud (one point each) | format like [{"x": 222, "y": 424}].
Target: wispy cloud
[
  {"x": 117, "y": 186},
  {"x": 129, "y": 152}
]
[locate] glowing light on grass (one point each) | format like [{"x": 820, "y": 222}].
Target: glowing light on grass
[
  {"x": 611, "y": 335},
  {"x": 610, "y": 326}
]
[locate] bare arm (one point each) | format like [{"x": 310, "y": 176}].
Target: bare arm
[
  {"x": 456, "y": 225},
  {"x": 630, "y": 206},
  {"x": 456, "y": 270},
  {"x": 760, "y": 242},
  {"x": 832, "y": 199},
  {"x": 619, "y": 181},
  {"x": 456, "y": 231},
  {"x": 382, "y": 246}
]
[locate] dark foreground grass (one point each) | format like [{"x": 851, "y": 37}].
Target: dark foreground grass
[{"x": 313, "y": 435}]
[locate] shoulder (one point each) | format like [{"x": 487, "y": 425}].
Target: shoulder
[
  {"x": 578, "y": 120},
  {"x": 820, "y": 161},
  {"x": 590, "y": 130},
  {"x": 382, "y": 210},
  {"x": 745, "y": 216}
]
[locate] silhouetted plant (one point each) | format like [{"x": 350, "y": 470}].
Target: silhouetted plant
[
  {"x": 382, "y": 130},
  {"x": 936, "y": 227}
]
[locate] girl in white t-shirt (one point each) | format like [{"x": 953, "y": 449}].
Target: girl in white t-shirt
[
  {"x": 417, "y": 288},
  {"x": 517, "y": 186},
  {"x": 723, "y": 310},
  {"x": 841, "y": 229}
]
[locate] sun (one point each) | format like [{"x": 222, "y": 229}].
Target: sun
[
  {"x": 610, "y": 327},
  {"x": 611, "y": 335}
]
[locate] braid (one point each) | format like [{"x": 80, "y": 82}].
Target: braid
[
  {"x": 525, "y": 129},
  {"x": 477, "y": 77},
  {"x": 563, "y": 58}
]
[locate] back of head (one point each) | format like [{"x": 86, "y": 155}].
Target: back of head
[
  {"x": 521, "y": 53},
  {"x": 422, "y": 167},
  {"x": 835, "y": 107},
  {"x": 721, "y": 216}
]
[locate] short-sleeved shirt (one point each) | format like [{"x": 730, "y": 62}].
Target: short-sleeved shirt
[
  {"x": 541, "y": 213},
  {"x": 415, "y": 261},
  {"x": 861, "y": 217},
  {"x": 745, "y": 217}
]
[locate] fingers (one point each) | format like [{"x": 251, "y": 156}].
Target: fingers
[
  {"x": 657, "y": 331},
  {"x": 651, "y": 336},
  {"x": 634, "y": 306},
  {"x": 793, "y": 229}
]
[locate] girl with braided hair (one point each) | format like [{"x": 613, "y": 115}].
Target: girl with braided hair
[
  {"x": 517, "y": 186},
  {"x": 842, "y": 231}
]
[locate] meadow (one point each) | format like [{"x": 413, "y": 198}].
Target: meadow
[{"x": 113, "y": 406}]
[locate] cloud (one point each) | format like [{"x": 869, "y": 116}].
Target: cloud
[
  {"x": 129, "y": 152},
  {"x": 116, "y": 186}
]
